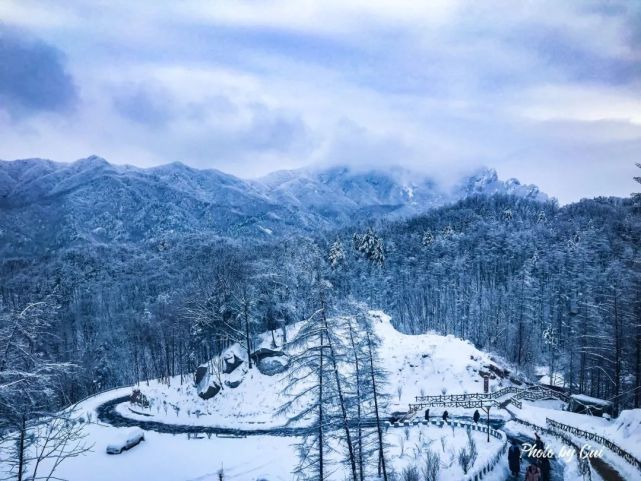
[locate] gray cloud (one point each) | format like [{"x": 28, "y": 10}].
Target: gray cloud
[
  {"x": 150, "y": 106},
  {"x": 32, "y": 76},
  {"x": 571, "y": 58},
  {"x": 274, "y": 129},
  {"x": 245, "y": 138}
]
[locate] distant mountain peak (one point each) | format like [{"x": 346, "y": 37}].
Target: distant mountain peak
[
  {"x": 94, "y": 159},
  {"x": 132, "y": 204}
]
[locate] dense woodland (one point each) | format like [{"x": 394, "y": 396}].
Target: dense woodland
[{"x": 541, "y": 285}]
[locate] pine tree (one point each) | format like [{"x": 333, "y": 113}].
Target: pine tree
[
  {"x": 428, "y": 238},
  {"x": 356, "y": 361},
  {"x": 336, "y": 254},
  {"x": 370, "y": 246},
  {"x": 382, "y": 470},
  {"x": 334, "y": 353},
  {"x": 369, "y": 378},
  {"x": 308, "y": 396},
  {"x": 319, "y": 355}
]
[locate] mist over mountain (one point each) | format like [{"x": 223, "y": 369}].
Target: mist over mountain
[{"x": 47, "y": 205}]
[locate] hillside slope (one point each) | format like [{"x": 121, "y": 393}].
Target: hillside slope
[{"x": 415, "y": 364}]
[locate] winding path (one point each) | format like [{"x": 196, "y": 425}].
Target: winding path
[{"x": 107, "y": 413}]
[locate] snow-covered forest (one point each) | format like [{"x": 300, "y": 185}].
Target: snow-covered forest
[
  {"x": 555, "y": 291},
  {"x": 539, "y": 284}
]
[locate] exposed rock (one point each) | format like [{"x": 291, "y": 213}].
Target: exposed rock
[
  {"x": 230, "y": 362},
  {"x": 502, "y": 373},
  {"x": 273, "y": 365},
  {"x": 210, "y": 392},
  {"x": 263, "y": 353},
  {"x": 138, "y": 398},
  {"x": 233, "y": 383},
  {"x": 486, "y": 374},
  {"x": 234, "y": 379},
  {"x": 201, "y": 372}
]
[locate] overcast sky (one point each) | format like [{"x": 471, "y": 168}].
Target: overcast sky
[{"x": 545, "y": 91}]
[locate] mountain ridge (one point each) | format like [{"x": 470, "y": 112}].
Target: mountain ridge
[{"x": 47, "y": 205}]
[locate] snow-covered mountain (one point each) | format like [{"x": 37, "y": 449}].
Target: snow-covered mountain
[
  {"x": 45, "y": 205},
  {"x": 342, "y": 193}
]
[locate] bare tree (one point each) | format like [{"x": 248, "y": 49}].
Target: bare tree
[
  {"x": 31, "y": 388},
  {"x": 333, "y": 356},
  {"x": 431, "y": 466},
  {"x": 467, "y": 455},
  {"x": 375, "y": 396},
  {"x": 55, "y": 439}
]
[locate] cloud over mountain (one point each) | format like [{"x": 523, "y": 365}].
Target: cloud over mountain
[{"x": 442, "y": 87}]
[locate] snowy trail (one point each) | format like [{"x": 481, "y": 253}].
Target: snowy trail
[
  {"x": 107, "y": 413},
  {"x": 602, "y": 469},
  {"x": 607, "y": 472},
  {"x": 556, "y": 471}
]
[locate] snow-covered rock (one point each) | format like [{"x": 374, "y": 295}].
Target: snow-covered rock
[
  {"x": 273, "y": 365},
  {"x": 233, "y": 379},
  {"x": 201, "y": 373},
  {"x": 264, "y": 352},
  {"x": 230, "y": 362},
  {"x": 210, "y": 392}
]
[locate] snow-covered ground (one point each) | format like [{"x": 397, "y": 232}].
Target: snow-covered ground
[
  {"x": 431, "y": 364},
  {"x": 166, "y": 457},
  {"x": 427, "y": 364},
  {"x": 407, "y": 446}
]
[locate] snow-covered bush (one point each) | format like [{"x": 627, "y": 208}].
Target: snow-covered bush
[
  {"x": 431, "y": 466},
  {"x": 467, "y": 455},
  {"x": 410, "y": 473}
]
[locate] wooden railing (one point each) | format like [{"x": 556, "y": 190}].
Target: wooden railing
[
  {"x": 469, "y": 396},
  {"x": 595, "y": 437},
  {"x": 414, "y": 407},
  {"x": 475, "y": 400},
  {"x": 584, "y": 464}
]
